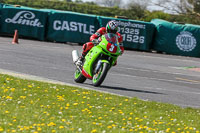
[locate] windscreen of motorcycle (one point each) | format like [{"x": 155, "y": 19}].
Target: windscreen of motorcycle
[{"x": 113, "y": 40}]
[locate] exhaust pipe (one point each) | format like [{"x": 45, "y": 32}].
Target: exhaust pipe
[{"x": 75, "y": 55}]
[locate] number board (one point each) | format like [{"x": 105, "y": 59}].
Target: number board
[{"x": 136, "y": 34}]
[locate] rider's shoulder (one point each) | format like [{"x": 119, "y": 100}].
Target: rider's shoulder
[{"x": 102, "y": 30}]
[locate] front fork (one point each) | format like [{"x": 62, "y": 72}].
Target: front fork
[{"x": 98, "y": 66}]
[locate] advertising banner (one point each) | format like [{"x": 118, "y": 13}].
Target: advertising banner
[
  {"x": 28, "y": 22},
  {"x": 71, "y": 27},
  {"x": 136, "y": 34},
  {"x": 1, "y": 5},
  {"x": 177, "y": 39}
]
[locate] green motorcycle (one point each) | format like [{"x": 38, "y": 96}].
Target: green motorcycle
[{"x": 98, "y": 60}]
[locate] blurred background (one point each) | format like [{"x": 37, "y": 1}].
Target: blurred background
[{"x": 181, "y": 11}]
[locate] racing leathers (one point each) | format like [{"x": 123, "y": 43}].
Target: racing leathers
[{"x": 87, "y": 46}]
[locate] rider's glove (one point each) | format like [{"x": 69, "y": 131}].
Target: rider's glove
[{"x": 95, "y": 41}]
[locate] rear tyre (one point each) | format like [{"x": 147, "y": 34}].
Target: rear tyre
[
  {"x": 78, "y": 77},
  {"x": 100, "y": 75}
]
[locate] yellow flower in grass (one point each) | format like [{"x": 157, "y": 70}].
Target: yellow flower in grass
[
  {"x": 39, "y": 129},
  {"x": 191, "y": 128},
  {"x": 109, "y": 127},
  {"x": 30, "y": 86},
  {"x": 53, "y": 131},
  {"x": 12, "y": 89},
  {"x": 130, "y": 130},
  {"x": 31, "y": 102},
  {"x": 75, "y": 104},
  {"x": 63, "y": 120},
  {"x": 126, "y": 100},
  {"x": 5, "y": 90},
  {"x": 113, "y": 125},
  {"x": 61, "y": 127},
  {"x": 60, "y": 98},
  {"x": 51, "y": 124},
  {"x": 23, "y": 97},
  {"x": 9, "y": 98},
  {"x": 100, "y": 118},
  {"x": 94, "y": 131},
  {"x": 7, "y": 112},
  {"x": 1, "y": 129},
  {"x": 168, "y": 129},
  {"x": 130, "y": 118},
  {"x": 145, "y": 127}
]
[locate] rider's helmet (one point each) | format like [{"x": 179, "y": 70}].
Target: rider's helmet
[{"x": 112, "y": 27}]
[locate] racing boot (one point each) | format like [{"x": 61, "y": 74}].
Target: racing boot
[{"x": 80, "y": 60}]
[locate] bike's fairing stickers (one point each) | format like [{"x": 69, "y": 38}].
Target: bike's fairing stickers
[{"x": 92, "y": 55}]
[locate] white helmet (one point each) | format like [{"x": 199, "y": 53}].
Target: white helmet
[{"x": 112, "y": 27}]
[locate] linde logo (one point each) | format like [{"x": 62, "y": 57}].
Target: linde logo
[
  {"x": 25, "y": 18},
  {"x": 186, "y": 41}
]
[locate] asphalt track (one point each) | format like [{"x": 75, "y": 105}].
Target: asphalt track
[{"x": 148, "y": 76}]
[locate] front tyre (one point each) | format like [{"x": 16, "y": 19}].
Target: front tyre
[
  {"x": 78, "y": 77},
  {"x": 100, "y": 75}
]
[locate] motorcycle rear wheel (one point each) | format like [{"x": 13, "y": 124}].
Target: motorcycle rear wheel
[
  {"x": 99, "y": 76},
  {"x": 78, "y": 77}
]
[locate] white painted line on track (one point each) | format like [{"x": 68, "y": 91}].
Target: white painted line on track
[
  {"x": 166, "y": 80},
  {"x": 165, "y": 58},
  {"x": 162, "y": 89},
  {"x": 145, "y": 70}
]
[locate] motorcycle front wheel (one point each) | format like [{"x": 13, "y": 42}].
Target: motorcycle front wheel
[
  {"x": 100, "y": 75},
  {"x": 78, "y": 77}
]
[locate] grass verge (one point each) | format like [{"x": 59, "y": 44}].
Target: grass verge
[{"x": 32, "y": 106}]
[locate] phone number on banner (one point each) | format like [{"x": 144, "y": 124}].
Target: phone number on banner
[{"x": 131, "y": 35}]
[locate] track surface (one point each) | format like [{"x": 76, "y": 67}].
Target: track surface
[{"x": 149, "y": 76}]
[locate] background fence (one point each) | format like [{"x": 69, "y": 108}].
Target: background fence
[
  {"x": 177, "y": 39},
  {"x": 65, "y": 26}
]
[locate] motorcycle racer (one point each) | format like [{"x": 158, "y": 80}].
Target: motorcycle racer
[{"x": 111, "y": 27}]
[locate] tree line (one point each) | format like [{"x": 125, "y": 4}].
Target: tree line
[{"x": 134, "y": 12}]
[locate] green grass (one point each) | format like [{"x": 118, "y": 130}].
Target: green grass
[{"x": 31, "y": 106}]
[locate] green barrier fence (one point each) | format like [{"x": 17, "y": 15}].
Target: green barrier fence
[
  {"x": 136, "y": 34},
  {"x": 64, "y": 26},
  {"x": 1, "y": 5},
  {"x": 29, "y": 22},
  {"x": 177, "y": 39}
]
